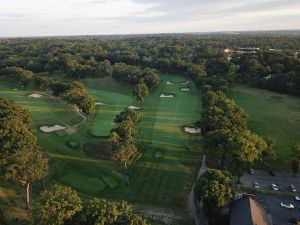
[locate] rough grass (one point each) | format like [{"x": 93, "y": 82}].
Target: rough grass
[{"x": 274, "y": 115}]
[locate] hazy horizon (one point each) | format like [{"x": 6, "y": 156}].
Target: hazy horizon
[{"x": 33, "y": 18}]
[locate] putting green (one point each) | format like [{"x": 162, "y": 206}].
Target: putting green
[
  {"x": 87, "y": 184},
  {"x": 103, "y": 119}
]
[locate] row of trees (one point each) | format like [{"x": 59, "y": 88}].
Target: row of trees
[
  {"x": 224, "y": 125},
  {"x": 142, "y": 80},
  {"x": 22, "y": 159},
  {"x": 62, "y": 205},
  {"x": 73, "y": 93},
  {"x": 122, "y": 147}
]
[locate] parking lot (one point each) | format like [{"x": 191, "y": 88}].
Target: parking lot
[
  {"x": 264, "y": 179},
  {"x": 280, "y": 216},
  {"x": 271, "y": 202}
]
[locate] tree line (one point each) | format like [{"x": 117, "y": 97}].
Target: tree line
[
  {"x": 224, "y": 126},
  {"x": 121, "y": 141},
  {"x": 74, "y": 93},
  {"x": 234, "y": 147}
]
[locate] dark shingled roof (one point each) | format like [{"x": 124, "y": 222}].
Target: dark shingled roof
[{"x": 247, "y": 211}]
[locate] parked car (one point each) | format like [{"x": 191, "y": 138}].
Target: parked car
[
  {"x": 297, "y": 198},
  {"x": 272, "y": 173},
  {"x": 255, "y": 185},
  {"x": 251, "y": 171},
  {"x": 293, "y": 188},
  {"x": 274, "y": 187},
  {"x": 287, "y": 205}
]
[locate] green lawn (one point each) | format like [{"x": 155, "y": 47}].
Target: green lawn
[
  {"x": 274, "y": 115},
  {"x": 162, "y": 178}
]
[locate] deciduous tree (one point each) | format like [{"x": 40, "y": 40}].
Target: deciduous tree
[
  {"x": 55, "y": 206},
  {"x": 215, "y": 189}
]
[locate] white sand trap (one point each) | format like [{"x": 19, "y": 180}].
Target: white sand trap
[
  {"x": 48, "y": 129},
  {"x": 99, "y": 103},
  {"x": 133, "y": 107},
  {"x": 15, "y": 89},
  {"x": 169, "y": 83},
  {"x": 187, "y": 82},
  {"x": 166, "y": 96},
  {"x": 185, "y": 89},
  {"x": 193, "y": 130},
  {"x": 35, "y": 95}
]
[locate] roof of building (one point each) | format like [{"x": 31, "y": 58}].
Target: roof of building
[{"x": 247, "y": 211}]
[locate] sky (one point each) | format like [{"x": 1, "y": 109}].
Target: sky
[{"x": 96, "y": 17}]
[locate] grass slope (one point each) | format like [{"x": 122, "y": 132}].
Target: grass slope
[{"x": 274, "y": 115}]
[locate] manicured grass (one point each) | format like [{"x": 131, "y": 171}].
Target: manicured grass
[
  {"x": 115, "y": 98},
  {"x": 163, "y": 181},
  {"x": 274, "y": 115},
  {"x": 45, "y": 110},
  {"x": 73, "y": 144},
  {"x": 86, "y": 184},
  {"x": 110, "y": 181}
]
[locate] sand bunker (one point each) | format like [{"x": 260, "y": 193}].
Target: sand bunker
[
  {"x": 169, "y": 83},
  {"x": 35, "y": 95},
  {"x": 48, "y": 129},
  {"x": 185, "y": 89},
  {"x": 187, "y": 82},
  {"x": 99, "y": 103},
  {"x": 166, "y": 96},
  {"x": 133, "y": 107},
  {"x": 15, "y": 89},
  {"x": 193, "y": 130}
]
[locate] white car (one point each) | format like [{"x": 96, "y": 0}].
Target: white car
[
  {"x": 274, "y": 187},
  {"x": 293, "y": 188},
  {"x": 287, "y": 205},
  {"x": 297, "y": 198}
]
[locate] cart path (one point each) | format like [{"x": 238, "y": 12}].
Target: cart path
[{"x": 198, "y": 215}]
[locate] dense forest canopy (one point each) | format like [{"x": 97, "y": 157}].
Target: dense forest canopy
[{"x": 138, "y": 59}]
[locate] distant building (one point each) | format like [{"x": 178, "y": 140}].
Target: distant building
[{"x": 247, "y": 211}]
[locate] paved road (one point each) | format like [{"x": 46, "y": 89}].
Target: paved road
[
  {"x": 198, "y": 216},
  {"x": 264, "y": 179}
]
